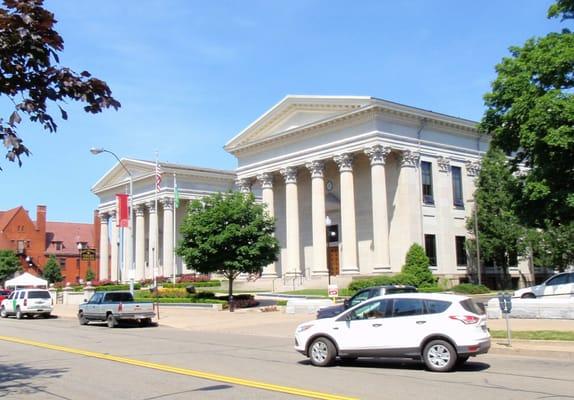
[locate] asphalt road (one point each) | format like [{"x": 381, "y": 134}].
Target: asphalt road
[{"x": 94, "y": 362}]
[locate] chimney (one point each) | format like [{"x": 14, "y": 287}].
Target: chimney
[{"x": 41, "y": 219}]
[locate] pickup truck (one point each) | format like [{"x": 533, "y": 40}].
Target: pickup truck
[{"x": 115, "y": 307}]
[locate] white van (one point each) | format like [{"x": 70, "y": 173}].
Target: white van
[{"x": 29, "y": 302}]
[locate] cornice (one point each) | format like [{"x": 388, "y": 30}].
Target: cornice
[{"x": 456, "y": 126}]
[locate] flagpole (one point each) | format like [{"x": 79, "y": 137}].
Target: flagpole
[
  {"x": 156, "y": 244},
  {"x": 175, "y": 205}
]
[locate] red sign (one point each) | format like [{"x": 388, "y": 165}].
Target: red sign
[
  {"x": 123, "y": 210},
  {"x": 333, "y": 290}
]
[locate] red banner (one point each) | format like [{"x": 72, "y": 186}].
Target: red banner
[{"x": 122, "y": 210}]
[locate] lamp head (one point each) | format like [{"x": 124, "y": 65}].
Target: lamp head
[{"x": 96, "y": 150}]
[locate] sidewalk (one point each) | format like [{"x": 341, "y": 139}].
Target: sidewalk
[{"x": 279, "y": 324}]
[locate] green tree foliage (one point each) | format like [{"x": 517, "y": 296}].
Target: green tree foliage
[
  {"x": 9, "y": 265},
  {"x": 563, "y": 8},
  {"x": 228, "y": 234},
  {"x": 553, "y": 247},
  {"x": 31, "y": 77},
  {"x": 530, "y": 114},
  {"x": 501, "y": 236},
  {"x": 90, "y": 275},
  {"x": 417, "y": 267},
  {"x": 52, "y": 272}
]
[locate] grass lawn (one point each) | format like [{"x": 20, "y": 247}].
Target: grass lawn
[{"x": 535, "y": 335}]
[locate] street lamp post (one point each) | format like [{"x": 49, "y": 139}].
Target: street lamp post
[
  {"x": 96, "y": 151},
  {"x": 475, "y": 213}
]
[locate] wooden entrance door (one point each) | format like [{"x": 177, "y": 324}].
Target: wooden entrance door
[{"x": 333, "y": 260}]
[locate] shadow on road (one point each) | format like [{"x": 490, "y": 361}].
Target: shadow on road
[
  {"x": 19, "y": 380},
  {"x": 399, "y": 363}
]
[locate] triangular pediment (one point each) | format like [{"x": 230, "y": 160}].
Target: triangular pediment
[
  {"x": 295, "y": 112},
  {"x": 118, "y": 175}
]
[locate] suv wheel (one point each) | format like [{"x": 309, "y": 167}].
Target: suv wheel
[
  {"x": 82, "y": 319},
  {"x": 528, "y": 296},
  {"x": 3, "y": 312},
  {"x": 439, "y": 356},
  {"x": 322, "y": 352},
  {"x": 19, "y": 314},
  {"x": 111, "y": 321}
]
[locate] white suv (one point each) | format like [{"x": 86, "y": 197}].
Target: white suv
[
  {"x": 441, "y": 329},
  {"x": 559, "y": 285},
  {"x": 23, "y": 302}
]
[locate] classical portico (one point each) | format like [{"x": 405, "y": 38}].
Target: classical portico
[
  {"x": 155, "y": 220},
  {"x": 353, "y": 182}
]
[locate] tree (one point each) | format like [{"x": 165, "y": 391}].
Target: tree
[
  {"x": 553, "y": 247},
  {"x": 417, "y": 267},
  {"x": 31, "y": 76},
  {"x": 52, "y": 272},
  {"x": 228, "y": 234},
  {"x": 501, "y": 236},
  {"x": 530, "y": 114},
  {"x": 9, "y": 265}
]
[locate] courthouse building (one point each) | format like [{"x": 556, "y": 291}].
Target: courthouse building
[{"x": 352, "y": 182}]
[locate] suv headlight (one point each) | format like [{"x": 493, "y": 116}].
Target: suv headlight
[{"x": 302, "y": 328}]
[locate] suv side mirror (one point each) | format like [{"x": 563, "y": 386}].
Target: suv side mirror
[{"x": 346, "y": 303}]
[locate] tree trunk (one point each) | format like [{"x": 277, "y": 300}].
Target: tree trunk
[{"x": 230, "y": 297}]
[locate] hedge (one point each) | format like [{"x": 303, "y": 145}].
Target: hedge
[
  {"x": 469, "y": 288},
  {"x": 179, "y": 300},
  {"x": 212, "y": 283}
]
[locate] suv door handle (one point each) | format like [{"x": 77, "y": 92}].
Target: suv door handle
[
  {"x": 421, "y": 322},
  {"x": 376, "y": 325}
]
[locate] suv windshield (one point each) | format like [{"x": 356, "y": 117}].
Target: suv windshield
[{"x": 38, "y": 294}]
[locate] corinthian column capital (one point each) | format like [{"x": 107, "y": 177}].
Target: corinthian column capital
[
  {"x": 289, "y": 174},
  {"x": 244, "y": 185},
  {"x": 344, "y": 162},
  {"x": 409, "y": 158},
  {"x": 317, "y": 168},
  {"x": 266, "y": 179},
  {"x": 377, "y": 154}
]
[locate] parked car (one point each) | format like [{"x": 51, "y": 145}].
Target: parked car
[
  {"x": 4, "y": 293},
  {"x": 559, "y": 285},
  {"x": 362, "y": 295},
  {"x": 443, "y": 330},
  {"x": 115, "y": 307},
  {"x": 27, "y": 302}
]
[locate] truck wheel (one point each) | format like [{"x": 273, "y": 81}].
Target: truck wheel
[
  {"x": 46, "y": 315},
  {"x": 19, "y": 314},
  {"x": 112, "y": 323},
  {"x": 82, "y": 319},
  {"x": 3, "y": 312},
  {"x": 145, "y": 322}
]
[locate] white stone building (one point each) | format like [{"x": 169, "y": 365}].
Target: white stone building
[{"x": 353, "y": 182}]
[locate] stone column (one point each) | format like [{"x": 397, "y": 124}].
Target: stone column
[
  {"x": 446, "y": 250},
  {"x": 168, "y": 264},
  {"x": 115, "y": 248},
  {"x": 140, "y": 242},
  {"x": 348, "y": 228},
  {"x": 104, "y": 247},
  {"x": 411, "y": 198},
  {"x": 378, "y": 154},
  {"x": 153, "y": 242},
  {"x": 266, "y": 179},
  {"x": 244, "y": 185},
  {"x": 317, "y": 169},
  {"x": 293, "y": 266}
]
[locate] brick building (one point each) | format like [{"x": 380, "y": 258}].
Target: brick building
[{"x": 35, "y": 241}]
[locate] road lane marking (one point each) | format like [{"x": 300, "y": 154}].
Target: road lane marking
[{"x": 182, "y": 371}]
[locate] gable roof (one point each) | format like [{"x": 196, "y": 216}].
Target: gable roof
[
  {"x": 69, "y": 233},
  {"x": 7, "y": 216},
  {"x": 297, "y": 114}
]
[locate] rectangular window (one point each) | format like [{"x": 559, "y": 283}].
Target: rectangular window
[
  {"x": 426, "y": 172},
  {"x": 62, "y": 262},
  {"x": 460, "y": 250},
  {"x": 457, "y": 187},
  {"x": 430, "y": 249}
]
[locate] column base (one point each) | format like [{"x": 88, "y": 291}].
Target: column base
[
  {"x": 293, "y": 274},
  {"x": 269, "y": 275},
  {"x": 319, "y": 272},
  {"x": 382, "y": 268}
]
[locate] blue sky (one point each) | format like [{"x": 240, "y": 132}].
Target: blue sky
[{"x": 192, "y": 74}]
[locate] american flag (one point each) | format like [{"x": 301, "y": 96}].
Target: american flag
[{"x": 158, "y": 173}]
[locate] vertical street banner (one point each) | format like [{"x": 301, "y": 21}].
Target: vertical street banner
[{"x": 122, "y": 210}]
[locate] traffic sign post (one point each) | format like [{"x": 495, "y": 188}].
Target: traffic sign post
[
  {"x": 333, "y": 291},
  {"x": 505, "y": 303}
]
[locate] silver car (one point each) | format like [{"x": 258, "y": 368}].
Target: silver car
[{"x": 559, "y": 285}]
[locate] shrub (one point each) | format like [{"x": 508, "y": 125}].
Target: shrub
[
  {"x": 112, "y": 288},
  {"x": 398, "y": 279},
  {"x": 469, "y": 288},
  {"x": 417, "y": 267},
  {"x": 211, "y": 283},
  {"x": 431, "y": 289}
]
